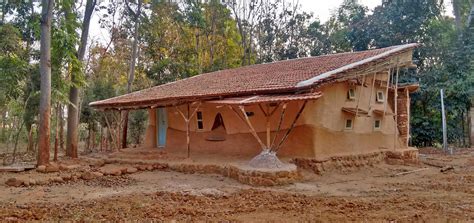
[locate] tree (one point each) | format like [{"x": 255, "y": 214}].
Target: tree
[
  {"x": 133, "y": 60},
  {"x": 45, "y": 70},
  {"x": 73, "y": 107}
]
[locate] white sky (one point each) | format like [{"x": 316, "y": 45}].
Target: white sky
[{"x": 320, "y": 8}]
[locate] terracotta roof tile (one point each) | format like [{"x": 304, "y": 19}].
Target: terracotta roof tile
[{"x": 280, "y": 76}]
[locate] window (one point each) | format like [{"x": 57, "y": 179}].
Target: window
[
  {"x": 351, "y": 94},
  {"x": 249, "y": 114},
  {"x": 348, "y": 124},
  {"x": 377, "y": 124},
  {"x": 199, "y": 120},
  {"x": 380, "y": 96}
]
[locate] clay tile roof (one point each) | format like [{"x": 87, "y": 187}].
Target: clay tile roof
[{"x": 281, "y": 76}]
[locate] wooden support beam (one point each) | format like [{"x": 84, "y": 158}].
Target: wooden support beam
[
  {"x": 187, "y": 119},
  {"x": 268, "y": 127},
  {"x": 371, "y": 89},
  {"x": 252, "y": 130},
  {"x": 291, "y": 127},
  {"x": 282, "y": 115},
  {"x": 395, "y": 99},
  {"x": 389, "y": 75},
  {"x": 359, "y": 96}
]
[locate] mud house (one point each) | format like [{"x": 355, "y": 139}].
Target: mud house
[{"x": 314, "y": 108}]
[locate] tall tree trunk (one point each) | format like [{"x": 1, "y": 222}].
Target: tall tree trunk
[
  {"x": 30, "y": 139},
  {"x": 73, "y": 108},
  {"x": 45, "y": 89},
  {"x": 61, "y": 128},
  {"x": 131, "y": 74},
  {"x": 457, "y": 14},
  {"x": 56, "y": 137}
]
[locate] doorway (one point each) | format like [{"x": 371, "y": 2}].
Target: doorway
[
  {"x": 162, "y": 126},
  {"x": 218, "y": 132}
]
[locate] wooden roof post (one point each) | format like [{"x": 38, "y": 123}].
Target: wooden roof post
[
  {"x": 291, "y": 127},
  {"x": 386, "y": 92},
  {"x": 187, "y": 119},
  {"x": 395, "y": 95},
  {"x": 283, "y": 109},
  {"x": 372, "y": 89},
  {"x": 252, "y": 130},
  {"x": 188, "y": 148},
  {"x": 267, "y": 120}
]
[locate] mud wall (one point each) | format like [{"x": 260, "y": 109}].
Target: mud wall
[
  {"x": 320, "y": 132},
  {"x": 327, "y": 120}
]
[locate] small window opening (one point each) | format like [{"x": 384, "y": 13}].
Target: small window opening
[
  {"x": 249, "y": 114},
  {"x": 380, "y": 96},
  {"x": 377, "y": 124},
  {"x": 349, "y": 123},
  {"x": 200, "y": 124},
  {"x": 351, "y": 94}
]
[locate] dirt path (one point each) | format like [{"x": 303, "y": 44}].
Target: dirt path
[{"x": 369, "y": 194}]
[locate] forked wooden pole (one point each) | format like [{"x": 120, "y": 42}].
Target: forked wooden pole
[
  {"x": 187, "y": 119},
  {"x": 291, "y": 127}
]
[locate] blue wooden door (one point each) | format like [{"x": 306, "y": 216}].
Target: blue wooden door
[{"x": 162, "y": 124}]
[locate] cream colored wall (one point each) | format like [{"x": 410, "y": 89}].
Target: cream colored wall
[{"x": 327, "y": 119}]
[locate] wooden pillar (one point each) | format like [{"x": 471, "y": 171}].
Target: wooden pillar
[
  {"x": 252, "y": 130},
  {"x": 291, "y": 127},
  {"x": 188, "y": 148},
  {"x": 386, "y": 91},
  {"x": 282, "y": 115},
  {"x": 187, "y": 119},
  {"x": 395, "y": 99}
]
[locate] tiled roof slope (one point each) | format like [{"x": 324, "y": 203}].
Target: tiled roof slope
[{"x": 284, "y": 76}]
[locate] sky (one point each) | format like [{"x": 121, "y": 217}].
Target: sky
[{"x": 320, "y": 8}]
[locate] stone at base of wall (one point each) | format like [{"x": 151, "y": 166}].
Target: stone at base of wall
[
  {"x": 351, "y": 162},
  {"x": 244, "y": 174},
  {"x": 250, "y": 176}
]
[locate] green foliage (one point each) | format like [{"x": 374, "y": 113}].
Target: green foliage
[
  {"x": 13, "y": 64},
  {"x": 137, "y": 121}
]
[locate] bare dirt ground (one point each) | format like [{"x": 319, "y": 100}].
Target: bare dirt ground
[{"x": 367, "y": 194}]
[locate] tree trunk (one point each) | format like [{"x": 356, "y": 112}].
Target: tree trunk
[
  {"x": 61, "y": 128},
  {"x": 56, "y": 137},
  {"x": 457, "y": 14},
  {"x": 45, "y": 89},
  {"x": 131, "y": 74},
  {"x": 30, "y": 139},
  {"x": 73, "y": 112}
]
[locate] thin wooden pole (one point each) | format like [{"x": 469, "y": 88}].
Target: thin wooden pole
[
  {"x": 291, "y": 127},
  {"x": 188, "y": 141},
  {"x": 395, "y": 99},
  {"x": 386, "y": 91},
  {"x": 443, "y": 119},
  {"x": 283, "y": 109},
  {"x": 267, "y": 120},
  {"x": 359, "y": 96},
  {"x": 371, "y": 89},
  {"x": 187, "y": 119},
  {"x": 252, "y": 130}
]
